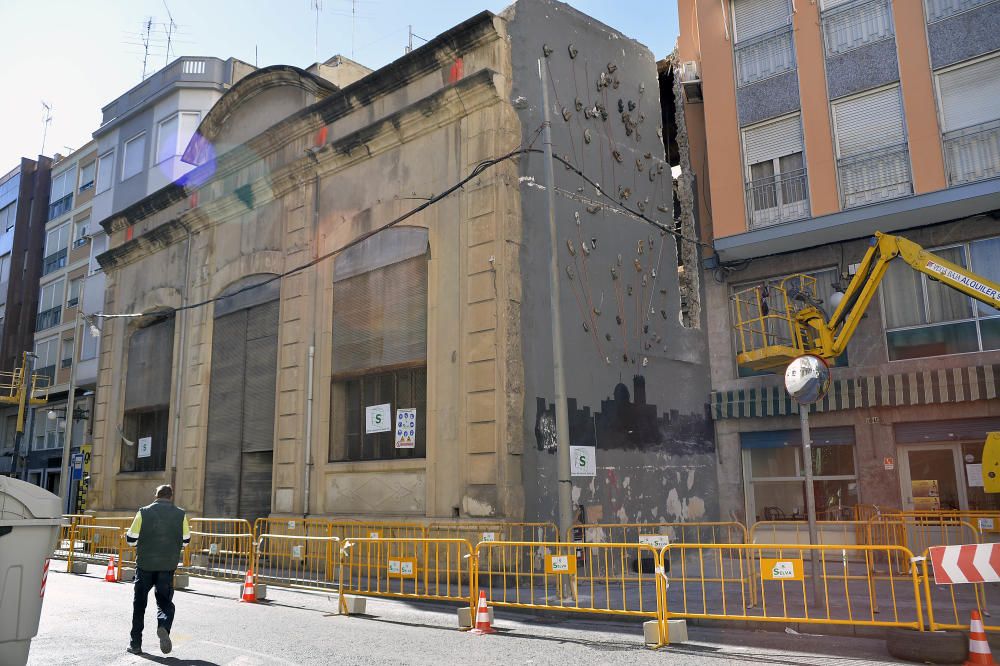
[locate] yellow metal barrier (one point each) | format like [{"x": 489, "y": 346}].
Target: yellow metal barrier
[
  {"x": 574, "y": 577},
  {"x": 220, "y": 548},
  {"x": 353, "y": 529},
  {"x": 298, "y": 561},
  {"x": 417, "y": 568},
  {"x": 310, "y": 527},
  {"x": 96, "y": 544},
  {"x": 949, "y": 606},
  {"x": 476, "y": 531},
  {"x": 703, "y": 532},
  {"x": 67, "y": 531},
  {"x": 849, "y": 592}
]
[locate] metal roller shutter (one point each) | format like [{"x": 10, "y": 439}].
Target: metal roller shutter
[
  {"x": 766, "y": 142},
  {"x": 150, "y": 361},
  {"x": 260, "y": 377},
  {"x": 225, "y": 415},
  {"x": 255, "y": 484},
  {"x": 921, "y": 432},
  {"x": 970, "y": 95},
  {"x": 380, "y": 317},
  {"x": 755, "y": 17},
  {"x": 869, "y": 122}
]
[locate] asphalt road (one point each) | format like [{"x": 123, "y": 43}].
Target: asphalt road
[{"x": 86, "y": 621}]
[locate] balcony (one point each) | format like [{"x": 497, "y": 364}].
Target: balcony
[
  {"x": 48, "y": 318},
  {"x": 855, "y": 24},
  {"x": 49, "y": 371},
  {"x": 54, "y": 261},
  {"x": 874, "y": 176},
  {"x": 778, "y": 199},
  {"x": 66, "y": 363},
  {"x": 57, "y": 208},
  {"x": 941, "y": 9},
  {"x": 973, "y": 153},
  {"x": 764, "y": 56}
]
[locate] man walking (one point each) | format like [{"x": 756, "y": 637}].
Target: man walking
[{"x": 159, "y": 532}]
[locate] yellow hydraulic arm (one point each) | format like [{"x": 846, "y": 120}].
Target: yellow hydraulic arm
[{"x": 771, "y": 334}]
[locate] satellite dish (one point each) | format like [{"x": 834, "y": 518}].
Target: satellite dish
[
  {"x": 128, "y": 442},
  {"x": 807, "y": 379}
]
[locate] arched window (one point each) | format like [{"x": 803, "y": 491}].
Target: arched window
[{"x": 380, "y": 348}]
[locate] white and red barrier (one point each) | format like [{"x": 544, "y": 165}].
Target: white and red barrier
[{"x": 975, "y": 563}]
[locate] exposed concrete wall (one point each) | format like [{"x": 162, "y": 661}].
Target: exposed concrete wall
[
  {"x": 965, "y": 35},
  {"x": 863, "y": 68},
  {"x": 636, "y": 377},
  {"x": 774, "y": 96}
]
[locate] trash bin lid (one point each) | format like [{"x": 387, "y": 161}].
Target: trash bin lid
[{"x": 20, "y": 500}]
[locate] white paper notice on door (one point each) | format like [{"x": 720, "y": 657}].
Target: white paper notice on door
[
  {"x": 146, "y": 448},
  {"x": 975, "y": 475}
]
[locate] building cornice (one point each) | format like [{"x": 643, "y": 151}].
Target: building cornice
[{"x": 444, "y": 107}]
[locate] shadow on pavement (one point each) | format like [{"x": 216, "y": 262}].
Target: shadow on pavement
[{"x": 174, "y": 661}]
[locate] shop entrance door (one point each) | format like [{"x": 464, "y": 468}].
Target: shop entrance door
[{"x": 929, "y": 477}]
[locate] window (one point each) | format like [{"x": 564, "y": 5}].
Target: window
[
  {"x": 132, "y": 161},
  {"x": 8, "y": 216},
  {"x": 776, "y": 188},
  {"x": 872, "y": 157},
  {"x": 73, "y": 297},
  {"x": 87, "y": 173},
  {"x": 105, "y": 171},
  {"x": 89, "y": 343},
  {"x": 926, "y": 318},
  {"x": 46, "y": 351},
  {"x": 826, "y": 283},
  {"x": 67, "y": 353},
  {"x": 4, "y": 269},
  {"x": 56, "y": 242},
  {"x": 80, "y": 231},
  {"x": 379, "y": 343},
  {"x": 48, "y": 435},
  {"x": 763, "y": 39},
  {"x": 970, "y": 120},
  {"x": 848, "y": 25},
  {"x": 147, "y": 396},
  {"x": 50, "y": 305},
  {"x": 98, "y": 245},
  {"x": 174, "y": 133},
  {"x": 61, "y": 194},
  {"x": 940, "y": 9},
  {"x": 774, "y": 474}
]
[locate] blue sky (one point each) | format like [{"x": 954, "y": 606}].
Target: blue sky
[{"x": 78, "y": 55}]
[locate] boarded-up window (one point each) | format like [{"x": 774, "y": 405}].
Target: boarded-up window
[
  {"x": 379, "y": 342},
  {"x": 147, "y": 397}
]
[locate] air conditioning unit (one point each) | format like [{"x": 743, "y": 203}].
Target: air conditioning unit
[{"x": 690, "y": 75}]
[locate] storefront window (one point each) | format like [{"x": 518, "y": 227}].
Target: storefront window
[{"x": 774, "y": 475}]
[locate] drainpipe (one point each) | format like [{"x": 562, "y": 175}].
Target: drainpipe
[
  {"x": 182, "y": 322},
  {"x": 309, "y": 421}
]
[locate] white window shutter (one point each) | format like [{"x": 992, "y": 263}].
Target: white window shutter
[
  {"x": 756, "y": 17},
  {"x": 773, "y": 140},
  {"x": 970, "y": 95},
  {"x": 869, "y": 122}
]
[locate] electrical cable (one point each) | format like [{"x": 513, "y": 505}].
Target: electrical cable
[{"x": 479, "y": 169}]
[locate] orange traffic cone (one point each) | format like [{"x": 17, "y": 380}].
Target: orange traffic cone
[
  {"x": 111, "y": 575},
  {"x": 483, "y": 616},
  {"x": 249, "y": 595},
  {"x": 979, "y": 649}
]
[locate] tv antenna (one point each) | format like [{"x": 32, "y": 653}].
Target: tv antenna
[
  {"x": 317, "y": 6},
  {"x": 171, "y": 26},
  {"x": 409, "y": 44},
  {"x": 45, "y": 123},
  {"x": 145, "y": 45}
]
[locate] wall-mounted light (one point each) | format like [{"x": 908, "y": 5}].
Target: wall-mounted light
[{"x": 79, "y": 414}]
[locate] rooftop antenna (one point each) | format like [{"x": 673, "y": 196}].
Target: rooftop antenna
[
  {"x": 45, "y": 123},
  {"x": 409, "y": 46},
  {"x": 354, "y": 23},
  {"x": 317, "y": 6},
  {"x": 171, "y": 26},
  {"x": 145, "y": 45}
]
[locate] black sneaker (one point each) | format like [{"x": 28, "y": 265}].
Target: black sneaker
[
  {"x": 134, "y": 648},
  {"x": 165, "y": 645}
]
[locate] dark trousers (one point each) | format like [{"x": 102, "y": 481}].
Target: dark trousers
[{"x": 163, "y": 582}]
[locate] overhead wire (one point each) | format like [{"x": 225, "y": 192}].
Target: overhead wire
[{"x": 476, "y": 171}]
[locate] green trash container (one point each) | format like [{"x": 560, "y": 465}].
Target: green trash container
[{"x": 29, "y": 527}]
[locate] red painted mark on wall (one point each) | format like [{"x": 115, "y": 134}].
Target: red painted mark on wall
[
  {"x": 321, "y": 136},
  {"x": 193, "y": 200},
  {"x": 128, "y": 233},
  {"x": 457, "y": 70}
]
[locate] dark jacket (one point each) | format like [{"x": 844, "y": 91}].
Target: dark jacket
[{"x": 159, "y": 532}]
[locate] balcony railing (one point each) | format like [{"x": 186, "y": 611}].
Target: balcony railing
[
  {"x": 49, "y": 371},
  {"x": 875, "y": 176},
  {"x": 57, "y": 208},
  {"x": 940, "y": 9},
  {"x": 66, "y": 363},
  {"x": 856, "y": 24},
  {"x": 781, "y": 198},
  {"x": 54, "y": 261},
  {"x": 973, "y": 153},
  {"x": 764, "y": 55},
  {"x": 48, "y": 318}
]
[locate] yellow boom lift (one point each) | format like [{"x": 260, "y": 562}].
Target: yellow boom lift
[
  {"x": 775, "y": 323},
  {"x": 16, "y": 390}
]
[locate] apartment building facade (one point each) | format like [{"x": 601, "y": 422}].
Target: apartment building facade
[
  {"x": 277, "y": 325},
  {"x": 835, "y": 119}
]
